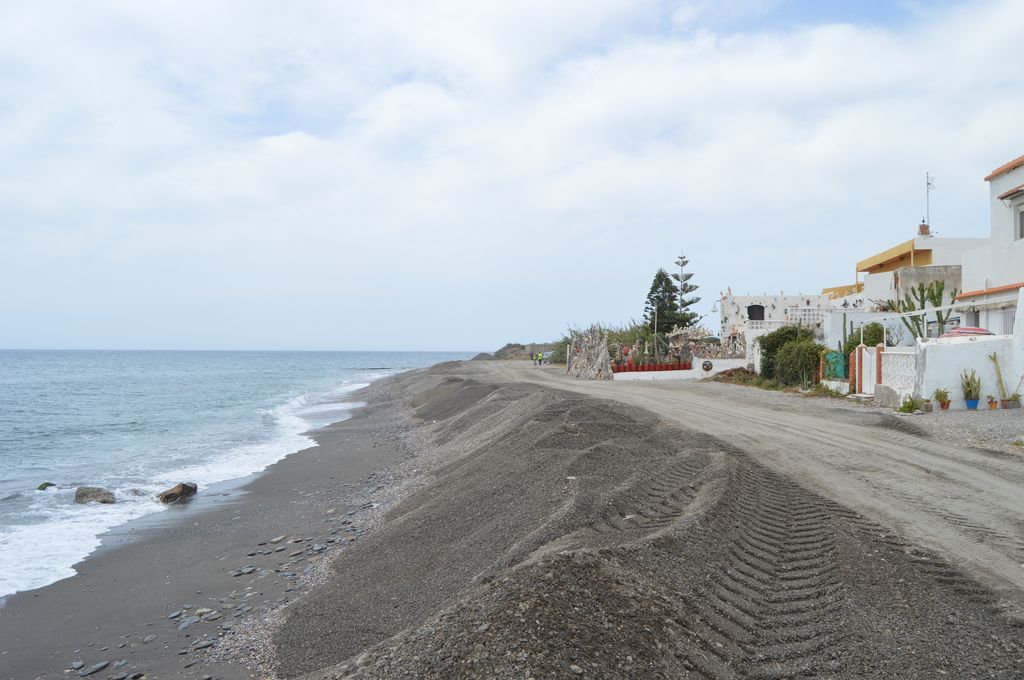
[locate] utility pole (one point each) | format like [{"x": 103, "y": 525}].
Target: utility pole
[{"x": 928, "y": 186}]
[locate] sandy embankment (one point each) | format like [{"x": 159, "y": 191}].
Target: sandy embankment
[
  {"x": 557, "y": 535},
  {"x": 527, "y": 531}
]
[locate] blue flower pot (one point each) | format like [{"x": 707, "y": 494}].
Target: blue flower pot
[{"x": 972, "y": 404}]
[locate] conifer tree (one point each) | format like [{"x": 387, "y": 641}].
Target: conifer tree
[
  {"x": 684, "y": 317},
  {"x": 661, "y": 302}
]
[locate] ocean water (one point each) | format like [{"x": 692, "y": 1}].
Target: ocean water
[{"x": 136, "y": 423}]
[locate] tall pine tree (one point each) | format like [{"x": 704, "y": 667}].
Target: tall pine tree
[
  {"x": 662, "y": 298},
  {"x": 684, "y": 316}
]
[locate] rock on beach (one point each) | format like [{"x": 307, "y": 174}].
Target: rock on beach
[
  {"x": 178, "y": 492},
  {"x": 93, "y": 494}
]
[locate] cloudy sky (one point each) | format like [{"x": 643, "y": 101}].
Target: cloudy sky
[{"x": 455, "y": 175}]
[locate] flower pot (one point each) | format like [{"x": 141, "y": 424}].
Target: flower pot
[
  {"x": 972, "y": 404},
  {"x": 1009, "y": 403},
  {"x": 944, "y": 405},
  {"x": 993, "y": 405}
]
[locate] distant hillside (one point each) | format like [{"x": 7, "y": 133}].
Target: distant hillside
[{"x": 515, "y": 350}]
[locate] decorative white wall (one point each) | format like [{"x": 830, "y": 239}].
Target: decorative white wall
[{"x": 777, "y": 309}]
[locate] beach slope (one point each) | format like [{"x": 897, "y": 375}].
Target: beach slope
[{"x": 555, "y": 534}]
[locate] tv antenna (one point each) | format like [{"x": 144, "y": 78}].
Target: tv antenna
[{"x": 929, "y": 184}]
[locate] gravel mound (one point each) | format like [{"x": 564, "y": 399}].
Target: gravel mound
[{"x": 555, "y": 535}]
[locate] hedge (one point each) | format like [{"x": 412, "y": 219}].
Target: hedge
[
  {"x": 796, "y": 362},
  {"x": 771, "y": 343}
]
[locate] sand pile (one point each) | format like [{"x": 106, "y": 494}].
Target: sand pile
[{"x": 553, "y": 535}]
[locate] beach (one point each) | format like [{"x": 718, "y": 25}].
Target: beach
[
  {"x": 493, "y": 519},
  {"x": 151, "y": 568}
]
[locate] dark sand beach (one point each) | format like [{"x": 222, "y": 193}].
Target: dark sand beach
[
  {"x": 502, "y": 528},
  {"x": 151, "y": 568}
]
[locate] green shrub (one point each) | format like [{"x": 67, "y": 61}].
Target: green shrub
[
  {"x": 873, "y": 336},
  {"x": 796, "y": 362},
  {"x": 558, "y": 354},
  {"x": 770, "y": 344},
  {"x": 909, "y": 405}
]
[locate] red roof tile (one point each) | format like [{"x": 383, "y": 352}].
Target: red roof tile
[
  {"x": 990, "y": 291},
  {"x": 1011, "y": 192},
  {"x": 1012, "y": 165}
]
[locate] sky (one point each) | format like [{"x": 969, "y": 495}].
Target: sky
[{"x": 458, "y": 175}]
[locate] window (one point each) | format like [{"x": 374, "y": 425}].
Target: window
[
  {"x": 1018, "y": 227},
  {"x": 755, "y": 312},
  {"x": 1008, "y": 319}
]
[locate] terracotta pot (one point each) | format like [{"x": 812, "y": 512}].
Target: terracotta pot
[
  {"x": 993, "y": 405},
  {"x": 1009, "y": 403},
  {"x": 944, "y": 405}
]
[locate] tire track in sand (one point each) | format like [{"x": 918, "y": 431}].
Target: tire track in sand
[{"x": 758, "y": 613}]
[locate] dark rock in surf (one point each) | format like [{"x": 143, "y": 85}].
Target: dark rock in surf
[
  {"x": 178, "y": 492},
  {"x": 44, "y": 486},
  {"x": 93, "y": 494}
]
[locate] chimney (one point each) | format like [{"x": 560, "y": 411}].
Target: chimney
[{"x": 923, "y": 229}]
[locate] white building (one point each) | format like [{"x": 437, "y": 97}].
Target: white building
[
  {"x": 766, "y": 310},
  {"x": 755, "y": 315},
  {"x": 992, "y": 275},
  {"x": 893, "y": 274}
]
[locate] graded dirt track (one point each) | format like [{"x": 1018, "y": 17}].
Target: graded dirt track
[
  {"x": 967, "y": 504},
  {"x": 555, "y": 534}
]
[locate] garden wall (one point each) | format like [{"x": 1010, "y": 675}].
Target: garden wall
[
  {"x": 939, "y": 362},
  {"x": 696, "y": 373}
]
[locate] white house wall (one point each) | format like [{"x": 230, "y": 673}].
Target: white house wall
[
  {"x": 949, "y": 251},
  {"x": 939, "y": 363},
  {"x": 1001, "y": 262}
]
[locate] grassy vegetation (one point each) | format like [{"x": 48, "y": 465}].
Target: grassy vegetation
[
  {"x": 909, "y": 405},
  {"x": 741, "y": 376}
]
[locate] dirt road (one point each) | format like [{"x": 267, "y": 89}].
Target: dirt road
[{"x": 965, "y": 504}]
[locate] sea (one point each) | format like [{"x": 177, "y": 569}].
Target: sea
[{"x": 138, "y": 422}]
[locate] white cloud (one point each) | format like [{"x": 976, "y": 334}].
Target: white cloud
[{"x": 238, "y": 174}]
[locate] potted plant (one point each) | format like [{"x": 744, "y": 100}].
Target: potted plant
[
  {"x": 1013, "y": 401},
  {"x": 942, "y": 396},
  {"x": 992, "y": 403},
  {"x": 970, "y": 383}
]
